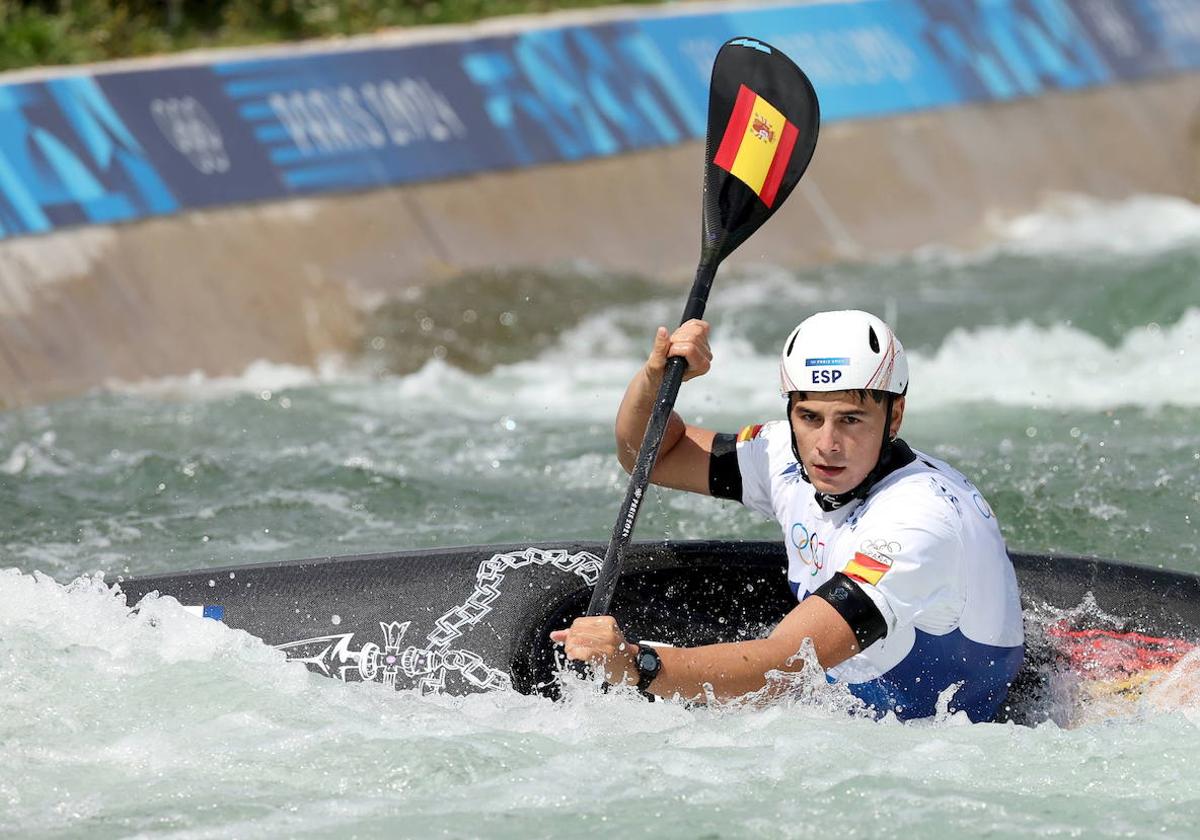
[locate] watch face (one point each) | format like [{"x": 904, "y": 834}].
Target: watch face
[{"x": 647, "y": 661}]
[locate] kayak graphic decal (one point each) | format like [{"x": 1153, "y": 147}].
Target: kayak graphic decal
[{"x": 428, "y": 666}]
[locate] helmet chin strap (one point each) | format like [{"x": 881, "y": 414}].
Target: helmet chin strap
[{"x": 893, "y": 454}]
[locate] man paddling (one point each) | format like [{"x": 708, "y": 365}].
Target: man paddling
[{"x": 904, "y": 585}]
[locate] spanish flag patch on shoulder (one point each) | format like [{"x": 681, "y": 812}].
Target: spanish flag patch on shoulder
[
  {"x": 865, "y": 569},
  {"x": 749, "y": 432}
]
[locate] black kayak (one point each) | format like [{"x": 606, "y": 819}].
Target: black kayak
[{"x": 477, "y": 618}]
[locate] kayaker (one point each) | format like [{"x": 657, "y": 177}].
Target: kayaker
[{"x": 904, "y": 585}]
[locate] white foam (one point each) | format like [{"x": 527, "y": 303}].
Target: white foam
[
  {"x": 1061, "y": 366},
  {"x": 1020, "y": 365},
  {"x": 259, "y": 377},
  {"x": 161, "y": 703},
  {"x": 1083, "y": 225},
  {"x": 88, "y": 613},
  {"x": 34, "y": 459}
]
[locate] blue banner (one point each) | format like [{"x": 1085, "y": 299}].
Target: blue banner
[
  {"x": 1123, "y": 37},
  {"x": 568, "y": 94},
  {"x": 191, "y": 132},
  {"x": 67, "y": 158},
  {"x": 359, "y": 119},
  {"x": 112, "y": 147},
  {"x": 1175, "y": 26}
]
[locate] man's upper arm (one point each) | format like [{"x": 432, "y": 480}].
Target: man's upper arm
[
  {"x": 735, "y": 467},
  {"x": 685, "y": 465},
  {"x": 814, "y": 618}
]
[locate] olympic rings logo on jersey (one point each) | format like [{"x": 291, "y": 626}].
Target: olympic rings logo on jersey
[
  {"x": 981, "y": 505},
  {"x": 808, "y": 546},
  {"x": 880, "y": 549}
]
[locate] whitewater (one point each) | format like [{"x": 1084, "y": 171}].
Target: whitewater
[{"x": 1056, "y": 366}]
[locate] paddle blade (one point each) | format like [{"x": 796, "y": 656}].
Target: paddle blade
[{"x": 763, "y": 119}]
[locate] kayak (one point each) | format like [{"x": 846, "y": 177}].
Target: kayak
[{"x": 1099, "y": 633}]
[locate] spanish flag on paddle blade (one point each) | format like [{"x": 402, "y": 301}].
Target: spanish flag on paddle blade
[{"x": 757, "y": 145}]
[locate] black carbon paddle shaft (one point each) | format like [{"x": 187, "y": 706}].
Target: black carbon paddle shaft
[{"x": 639, "y": 478}]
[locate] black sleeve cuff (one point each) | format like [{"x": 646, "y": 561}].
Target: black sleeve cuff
[
  {"x": 854, "y": 605},
  {"x": 724, "y": 476}
]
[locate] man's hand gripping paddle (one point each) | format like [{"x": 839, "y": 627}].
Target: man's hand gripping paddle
[{"x": 762, "y": 129}]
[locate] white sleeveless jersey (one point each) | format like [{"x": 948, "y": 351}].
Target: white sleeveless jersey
[{"x": 926, "y": 548}]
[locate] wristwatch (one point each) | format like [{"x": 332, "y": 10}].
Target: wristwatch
[{"x": 648, "y": 665}]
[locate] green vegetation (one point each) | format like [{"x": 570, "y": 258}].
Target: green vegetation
[{"x": 38, "y": 32}]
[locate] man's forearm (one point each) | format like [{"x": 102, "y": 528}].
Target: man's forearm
[
  {"x": 738, "y": 668},
  {"x": 633, "y": 415},
  {"x": 724, "y": 670}
]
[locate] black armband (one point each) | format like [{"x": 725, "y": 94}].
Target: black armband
[
  {"x": 724, "y": 475},
  {"x": 856, "y": 606}
]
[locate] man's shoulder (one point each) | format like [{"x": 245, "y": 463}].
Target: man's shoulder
[
  {"x": 913, "y": 482},
  {"x": 914, "y": 497},
  {"x": 771, "y": 440},
  {"x": 924, "y": 477},
  {"x": 769, "y": 430}
]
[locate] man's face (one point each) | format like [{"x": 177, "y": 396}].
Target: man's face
[{"x": 839, "y": 437}]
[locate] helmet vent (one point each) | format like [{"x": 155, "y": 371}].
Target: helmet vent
[
  {"x": 792, "y": 343},
  {"x": 873, "y": 339}
]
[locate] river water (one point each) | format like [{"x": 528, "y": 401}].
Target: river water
[{"x": 1057, "y": 367}]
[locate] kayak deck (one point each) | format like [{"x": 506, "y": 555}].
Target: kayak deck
[{"x": 477, "y": 618}]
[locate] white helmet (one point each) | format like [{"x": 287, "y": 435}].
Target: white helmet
[{"x": 843, "y": 351}]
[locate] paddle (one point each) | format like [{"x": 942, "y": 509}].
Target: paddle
[{"x": 763, "y": 118}]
